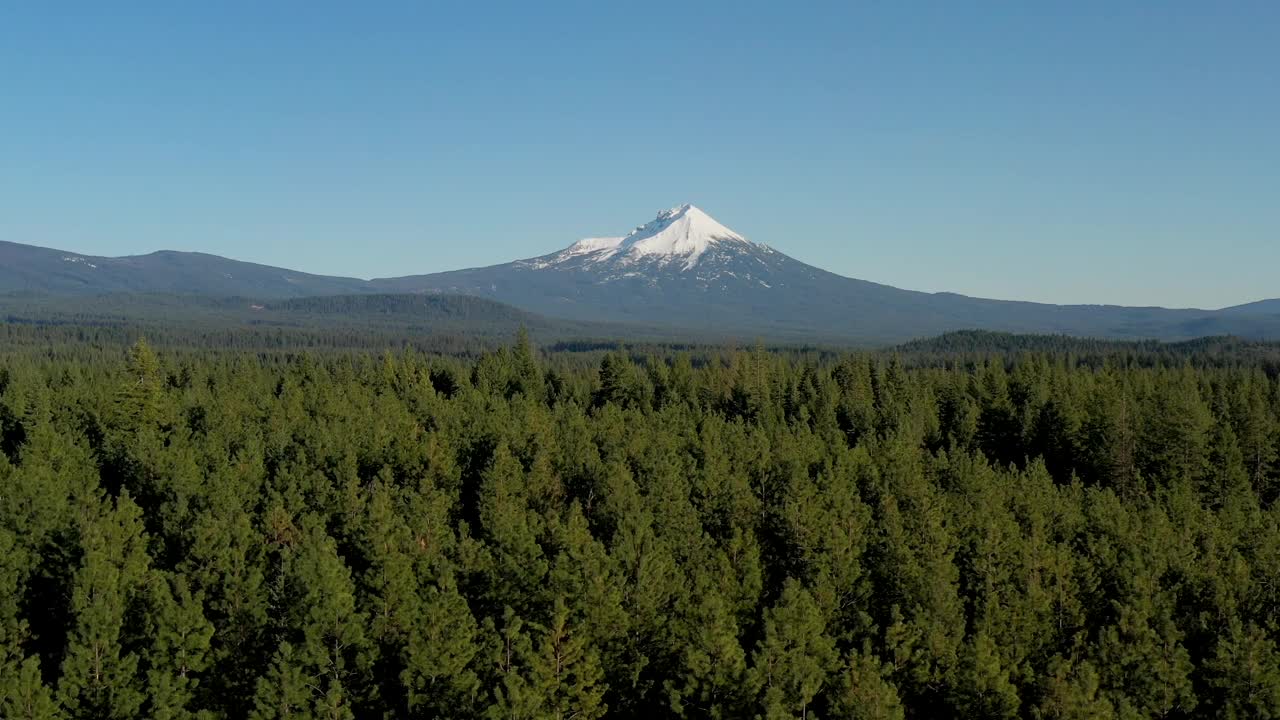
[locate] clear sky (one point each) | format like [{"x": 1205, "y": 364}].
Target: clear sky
[{"x": 1121, "y": 152}]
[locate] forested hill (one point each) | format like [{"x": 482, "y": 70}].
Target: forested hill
[
  {"x": 478, "y": 314},
  {"x": 401, "y": 535},
  {"x": 437, "y": 322}
]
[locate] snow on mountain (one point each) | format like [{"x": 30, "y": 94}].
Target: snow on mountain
[
  {"x": 681, "y": 232},
  {"x": 684, "y": 269},
  {"x": 684, "y": 233},
  {"x": 593, "y": 245},
  {"x": 596, "y": 248}
]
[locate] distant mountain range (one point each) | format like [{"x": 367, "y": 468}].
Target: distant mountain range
[
  {"x": 683, "y": 272},
  {"x": 27, "y": 268}
]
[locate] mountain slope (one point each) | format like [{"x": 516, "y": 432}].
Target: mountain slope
[
  {"x": 26, "y": 268},
  {"x": 681, "y": 274},
  {"x": 1261, "y": 307},
  {"x": 684, "y": 269}
]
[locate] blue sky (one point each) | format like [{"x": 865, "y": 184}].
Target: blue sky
[{"x": 1089, "y": 152}]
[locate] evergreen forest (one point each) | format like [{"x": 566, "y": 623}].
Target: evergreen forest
[{"x": 990, "y": 527}]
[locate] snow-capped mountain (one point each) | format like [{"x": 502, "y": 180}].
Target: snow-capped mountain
[
  {"x": 684, "y": 269},
  {"x": 682, "y": 234},
  {"x": 682, "y": 273},
  {"x": 682, "y": 244}
]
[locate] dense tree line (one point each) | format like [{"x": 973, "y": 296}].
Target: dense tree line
[
  {"x": 753, "y": 535},
  {"x": 78, "y": 339},
  {"x": 437, "y": 323},
  {"x": 978, "y": 345}
]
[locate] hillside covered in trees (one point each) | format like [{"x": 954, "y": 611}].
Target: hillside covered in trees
[{"x": 519, "y": 535}]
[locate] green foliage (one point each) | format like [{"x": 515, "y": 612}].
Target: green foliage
[
  {"x": 23, "y": 694},
  {"x": 179, "y": 655},
  {"x": 601, "y": 531},
  {"x": 100, "y": 673},
  {"x": 865, "y": 693},
  {"x": 285, "y": 690},
  {"x": 1246, "y": 673},
  {"x": 795, "y": 658}
]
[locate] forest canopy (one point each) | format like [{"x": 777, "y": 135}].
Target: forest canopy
[{"x": 964, "y": 532}]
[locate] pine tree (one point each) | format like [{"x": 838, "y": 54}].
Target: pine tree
[
  {"x": 227, "y": 561},
  {"x": 566, "y": 671},
  {"x": 1072, "y": 691},
  {"x": 514, "y": 697},
  {"x": 1246, "y": 672},
  {"x": 713, "y": 665},
  {"x": 1174, "y": 438},
  {"x": 1257, "y": 432},
  {"x": 1110, "y": 441},
  {"x": 15, "y": 568},
  {"x": 140, "y": 399},
  {"x": 527, "y": 377},
  {"x": 1225, "y": 475},
  {"x": 180, "y": 647},
  {"x": 586, "y": 578},
  {"x": 794, "y": 659},
  {"x": 100, "y": 677},
  {"x": 23, "y": 694},
  {"x": 512, "y": 531},
  {"x": 388, "y": 591},
  {"x": 982, "y": 685},
  {"x": 864, "y": 693},
  {"x": 286, "y": 692},
  {"x": 440, "y": 651},
  {"x": 1144, "y": 666},
  {"x": 333, "y": 630},
  {"x": 620, "y": 383}
]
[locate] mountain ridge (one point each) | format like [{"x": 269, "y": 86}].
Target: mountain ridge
[
  {"x": 752, "y": 287},
  {"x": 40, "y": 269},
  {"x": 683, "y": 270}
]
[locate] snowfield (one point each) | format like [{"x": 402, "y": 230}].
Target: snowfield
[{"x": 684, "y": 233}]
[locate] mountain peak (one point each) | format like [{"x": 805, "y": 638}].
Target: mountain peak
[{"x": 684, "y": 231}]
